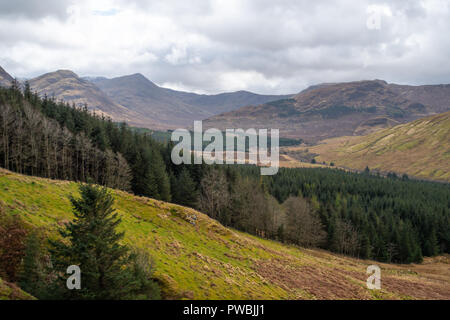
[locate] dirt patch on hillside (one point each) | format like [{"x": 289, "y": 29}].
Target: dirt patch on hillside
[
  {"x": 320, "y": 282},
  {"x": 344, "y": 281}
]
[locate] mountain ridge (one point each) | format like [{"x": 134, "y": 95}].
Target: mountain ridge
[
  {"x": 68, "y": 86},
  {"x": 337, "y": 109},
  {"x": 137, "y": 100},
  {"x": 172, "y": 107}
]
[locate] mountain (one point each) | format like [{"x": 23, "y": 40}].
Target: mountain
[
  {"x": 420, "y": 149},
  {"x": 435, "y": 96},
  {"x": 170, "y": 107},
  {"x": 5, "y": 78},
  {"x": 139, "y": 94},
  {"x": 198, "y": 258},
  {"x": 66, "y": 85},
  {"x": 340, "y": 109}
]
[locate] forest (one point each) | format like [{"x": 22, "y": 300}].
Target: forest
[{"x": 389, "y": 219}]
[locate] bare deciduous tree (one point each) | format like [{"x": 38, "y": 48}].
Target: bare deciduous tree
[
  {"x": 303, "y": 225},
  {"x": 214, "y": 196}
]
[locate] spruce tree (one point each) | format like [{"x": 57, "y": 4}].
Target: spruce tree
[
  {"x": 184, "y": 192},
  {"x": 92, "y": 243}
]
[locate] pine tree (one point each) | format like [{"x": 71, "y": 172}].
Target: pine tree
[
  {"x": 184, "y": 191},
  {"x": 92, "y": 243},
  {"x": 365, "y": 249},
  {"x": 158, "y": 170},
  {"x": 432, "y": 245}
]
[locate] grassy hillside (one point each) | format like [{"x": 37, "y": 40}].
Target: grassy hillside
[
  {"x": 10, "y": 291},
  {"x": 420, "y": 148},
  {"x": 197, "y": 258}
]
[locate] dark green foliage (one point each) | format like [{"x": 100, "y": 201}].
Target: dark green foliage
[
  {"x": 36, "y": 275},
  {"x": 184, "y": 190},
  {"x": 108, "y": 270},
  {"x": 397, "y": 220}
]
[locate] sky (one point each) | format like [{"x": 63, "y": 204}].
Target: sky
[{"x": 264, "y": 46}]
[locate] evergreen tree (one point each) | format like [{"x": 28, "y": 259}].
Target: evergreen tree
[
  {"x": 365, "y": 249},
  {"x": 92, "y": 243},
  {"x": 184, "y": 189}
]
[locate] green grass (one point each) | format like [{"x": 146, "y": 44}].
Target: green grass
[
  {"x": 195, "y": 257},
  {"x": 419, "y": 149},
  {"x": 9, "y": 291}
]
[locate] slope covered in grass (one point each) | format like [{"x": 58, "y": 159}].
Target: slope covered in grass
[
  {"x": 10, "y": 291},
  {"x": 197, "y": 258},
  {"x": 420, "y": 148}
]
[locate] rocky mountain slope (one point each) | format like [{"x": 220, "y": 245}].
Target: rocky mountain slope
[
  {"x": 5, "y": 78},
  {"x": 197, "y": 258},
  {"x": 340, "y": 109}
]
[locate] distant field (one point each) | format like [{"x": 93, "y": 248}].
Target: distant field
[
  {"x": 420, "y": 149},
  {"x": 197, "y": 258}
]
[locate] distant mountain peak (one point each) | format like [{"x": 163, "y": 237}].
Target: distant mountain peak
[
  {"x": 138, "y": 77},
  {"x": 66, "y": 73}
]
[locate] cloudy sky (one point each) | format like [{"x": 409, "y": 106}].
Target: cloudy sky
[{"x": 264, "y": 46}]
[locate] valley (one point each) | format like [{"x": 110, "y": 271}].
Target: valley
[{"x": 198, "y": 258}]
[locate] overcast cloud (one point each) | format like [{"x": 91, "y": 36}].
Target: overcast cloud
[{"x": 214, "y": 46}]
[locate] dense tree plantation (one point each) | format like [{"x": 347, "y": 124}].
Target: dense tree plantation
[
  {"x": 363, "y": 215},
  {"x": 389, "y": 219},
  {"x": 395, "y": 220}
]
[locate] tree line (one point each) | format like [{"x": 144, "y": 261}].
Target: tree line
[{"x": 46, "y": 138}]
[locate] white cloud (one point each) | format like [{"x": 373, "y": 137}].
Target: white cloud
[{"x": 211, "y": 46}]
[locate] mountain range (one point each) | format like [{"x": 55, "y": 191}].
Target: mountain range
[
  {"x": 171, "y": 107},
  {"x": 137, "y": 100},
  {"x": 319, "y": 112},
  {"x": 340, "y": 109}
]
